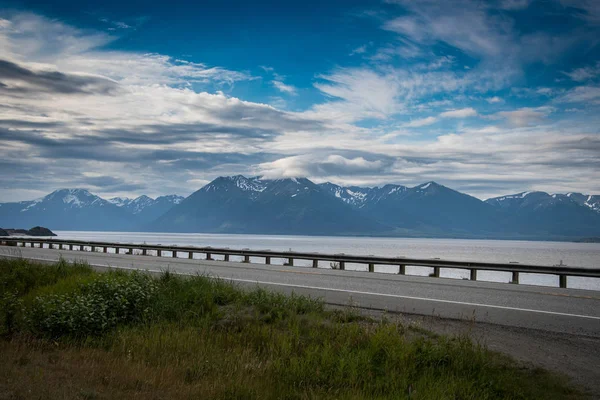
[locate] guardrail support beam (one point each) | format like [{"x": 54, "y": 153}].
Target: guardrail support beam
[
  {"x": 371, "y": 267},
  {"x": 515, "y": 277},
  {"x": 191, "y": 255},
  {"x": 342, "y": 265},
  {"x": 268, "y": 260},
  {"x": 562, "y": 279},
  {"x": 402, "y": 269},
  {"x": 473, "y": 274},
  {"x": 315, "y": 263},
  {"x": 158, "y": 253},
  {"x": 208, "y": 256},
  {"x": 290, "y": 262},
  {"x": 226, "y": 257},
  {"x": 246, "y": 258},
  {"x": 436, "y": 272}
]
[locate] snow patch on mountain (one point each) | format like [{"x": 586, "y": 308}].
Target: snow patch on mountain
[{"x": 120, "y": 201}]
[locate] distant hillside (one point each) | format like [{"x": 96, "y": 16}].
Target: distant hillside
[{"x": 35, "y": 231}]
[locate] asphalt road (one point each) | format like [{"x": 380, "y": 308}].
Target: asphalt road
[{"x": 570, "y": 311}]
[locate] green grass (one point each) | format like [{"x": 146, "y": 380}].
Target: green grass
[{"x": 75, "y": 333}]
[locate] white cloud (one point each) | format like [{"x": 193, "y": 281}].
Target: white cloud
[
  {"x": 462, "y": 113},
  {"x": 459, "y": 23},
  {"x": 359, "y": 50},
  {"x": 585, "y": 73},
  {"x": 319, "y": 165},
  {"x": 589, "y": 10},
  {"x": 282, "y": 87},
  {"x": 525, "y": 116},
  {"x": 581, "y": 94},
  {"x": 41, "y": 42},
  {"x": 417, "y": 123},
  {"x": 494, "y": 100}
]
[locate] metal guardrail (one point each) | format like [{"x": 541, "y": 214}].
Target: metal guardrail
[{"x": 515, "y": 268}]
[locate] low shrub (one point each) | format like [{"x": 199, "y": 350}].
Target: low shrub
[{"x": 94, "y": 307}]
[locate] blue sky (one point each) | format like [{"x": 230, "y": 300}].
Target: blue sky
[{"x": 487, "y": 97}]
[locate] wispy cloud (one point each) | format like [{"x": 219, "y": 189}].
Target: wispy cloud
[
  {"x": 417, "y": 123},
  {"x": 359, "y": 50},
  {"x": 461, "y": 113},
  {"x": 525, "y": 116},
  {"x": 494, "y": 100},
  {"x": 282, "y": 87},
  {"x": 585, "y": 73}
]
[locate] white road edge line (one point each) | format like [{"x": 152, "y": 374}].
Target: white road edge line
[{"x": 346, "y": 291}]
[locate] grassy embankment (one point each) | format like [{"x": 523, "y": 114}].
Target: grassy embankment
[{"x": 71, "y": 333}]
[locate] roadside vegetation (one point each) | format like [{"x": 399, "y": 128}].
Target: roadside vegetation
[{"x": 71, "y": 333}]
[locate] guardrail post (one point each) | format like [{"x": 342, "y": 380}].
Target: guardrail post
[
  {"x": 371, "y": 267},
  {"x": 515, "y": 277},
  {"x": 144, "y": 252},
  {"x": 290, "y": 262},
  {"x": 246, "y": 258},
  {"x": 158, "y": 253},
  {"x": 117, "y": 250},
  {"x": 473, "y": 274},
  {"x": 208, "y": 256},
  {"x": 105, "y": 250},
  {"x": 225, "y": 257},
  {"x": 315, "y": 264},
  {"x": 190, "y": 255},
  {"x": 342, "y": 265},
  {"x": 402, "y": 269},
  {"x": 174, "y": 253},
  {"x": 562, "y": 279},
  {"x": 436, "y": 272},
  {"x": 41, "y": 245},
  {"x": 268, "y": 260}
]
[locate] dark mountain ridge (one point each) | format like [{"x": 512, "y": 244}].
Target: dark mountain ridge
[{"x": 236, "y": 204}]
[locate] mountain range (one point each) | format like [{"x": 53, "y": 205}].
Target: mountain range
[{"x": 237, "y": 204}]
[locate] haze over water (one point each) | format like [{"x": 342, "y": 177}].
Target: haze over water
[{"x": 501, "y": 251}]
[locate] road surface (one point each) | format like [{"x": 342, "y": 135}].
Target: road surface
[{"x": 570, "y": 311}]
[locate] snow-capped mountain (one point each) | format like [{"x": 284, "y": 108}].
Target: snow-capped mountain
[
  {"x": 253, "y": 205},
  {"x": 357, "y": 196},
  {"x": 587, "y": 200},
  {"x": 142, "y": 204},
  {"x": 570, "y": 214},
  {"x": 236, "y": 204},
  {"x": 538, "y": 200},
  {"x": 66, "y": 209},
  {"x": 120, "y": 201},
  {"x": 253, "y": 186},
  {"x": 78, "y": 209}
]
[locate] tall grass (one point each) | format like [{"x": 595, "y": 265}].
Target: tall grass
[{"x": 203, "y": 338}]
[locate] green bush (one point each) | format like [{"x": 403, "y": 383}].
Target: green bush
[{"x": 94, "y": 308}]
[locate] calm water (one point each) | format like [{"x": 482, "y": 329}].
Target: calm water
[{"x": 542, "y": 253}]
